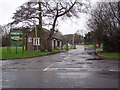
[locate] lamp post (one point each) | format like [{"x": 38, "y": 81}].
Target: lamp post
[
  {"x": 73, "y": 40},
  {"x": 94, "y": 45},
  {"x": 66, "y": 44}
]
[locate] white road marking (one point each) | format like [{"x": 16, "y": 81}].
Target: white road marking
[
  {"x": 76, "y": 69},
  {"x": 67, "y": 57},
  {"x": 49, "y": 66},
  {"x": 71, "y": 69},
  {"x": 94, "y": 69},
  {"x": 116, "y": 70},
  {"x": 55, "y": 63},
  {"x": 7, "y": 80}
]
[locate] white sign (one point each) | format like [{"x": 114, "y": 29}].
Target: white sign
[
  {"x": 97, "y": 45},
  {"x": 15, "y": 37},
  {"x": 15, "y": 33}
]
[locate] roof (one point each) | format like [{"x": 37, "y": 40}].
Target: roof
[{"x": 56, "y": 35}]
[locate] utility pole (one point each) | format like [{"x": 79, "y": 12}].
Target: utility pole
[
  {"x": 74, "y": 40},
  {"x": 94, "y": 45},
  {"x": 36, "y": 36}
]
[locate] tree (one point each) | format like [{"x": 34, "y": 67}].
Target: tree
[
  {"x": 47, "y": 13},
  {"x": 89, "y": 38},
  {"x": 4, "y": 35},
  {"x": 104, "y": 22},
  {"x": 4, "y": 30}
]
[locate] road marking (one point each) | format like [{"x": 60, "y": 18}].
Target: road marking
[
  {"x": 114, "y": 70},
  {"x": 76, "y": 69},
  {"x": 67, "y": 57},
  {"x": 54, "y": 64},
  {"x": 70, "y": 69},
  {"x": 7, "y": 80},
  {"x": 94, "y": 69},
  {"x": 49, "y": 66}
]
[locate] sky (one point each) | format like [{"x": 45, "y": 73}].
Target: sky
[{"x": 8, "y": 7}]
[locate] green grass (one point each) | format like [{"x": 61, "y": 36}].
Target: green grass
[
  {"x": 69, "y": 47},
  {"x": 108, "y": 54},
  {"x": 91, "y": 46},
  {"x": 105, "y": 54},
  {"x": 7, "y": 55}
]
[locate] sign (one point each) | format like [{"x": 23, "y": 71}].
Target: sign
[
  {"x": 16, "y": 39},
  {"x": 16, "y": 34},
  {"x": 97, "y": 45}
]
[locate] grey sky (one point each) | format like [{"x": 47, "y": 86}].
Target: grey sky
[{"x": 8, "y": 7}]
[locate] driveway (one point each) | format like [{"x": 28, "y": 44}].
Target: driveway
[{"x": 72, "y": 69}]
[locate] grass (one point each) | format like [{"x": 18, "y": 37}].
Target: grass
[
  {"x": 108, "y": 54},
  {"x": 91, "y": 46},
  {"x": 7, "y": 55},
  {"x": 69, "y": 46}
]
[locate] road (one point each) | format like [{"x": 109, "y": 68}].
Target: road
[{"x": 71, "y": 69}]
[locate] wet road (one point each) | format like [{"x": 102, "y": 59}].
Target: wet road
[{"x": 70, "y": 69}]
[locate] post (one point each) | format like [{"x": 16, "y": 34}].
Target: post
[
  {"x": 16, "y": 46},
  {"x": 74, "y": 41},
  {"x": 94, "y": 45},
  {"x": 36, "y": 36},
  {"x": 67, "y": 45},
  {"x": 10, "y": 41},
  {"x": 22, "y": 42}
]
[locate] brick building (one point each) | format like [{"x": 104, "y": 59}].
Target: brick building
[{"x": 32, "y": 41}]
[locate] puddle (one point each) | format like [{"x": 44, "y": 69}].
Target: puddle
[
  {"x": 96, "y": 58},
  {"x": 38, "y": 61},
  {"x": 80, "y": 63},
  {"x": 83, "y": 53},
  {"x": 73, "y": 60}
]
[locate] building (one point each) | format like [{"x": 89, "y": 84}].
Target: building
[{"x": 32, "y": 42}]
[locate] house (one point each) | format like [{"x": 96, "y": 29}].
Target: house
[{"x": 33, "y": 42}]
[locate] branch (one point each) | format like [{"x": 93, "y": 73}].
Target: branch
[{"x": 67, "y": 10}]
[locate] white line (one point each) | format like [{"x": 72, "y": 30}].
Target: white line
[
  {"x": 67, "y": 57},
  {"x": 114, "y": 70},
  {"x": 72, "y": 69},
  {"x": 76, "y": 69},
  {"x": 55, "y": 69},
  {"x": 49, "y": 66}
]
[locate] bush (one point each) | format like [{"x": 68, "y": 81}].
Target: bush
[{"x": 110, "y": 45}]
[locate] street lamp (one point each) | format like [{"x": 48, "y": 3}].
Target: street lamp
[{"x": 73, "y": 39}]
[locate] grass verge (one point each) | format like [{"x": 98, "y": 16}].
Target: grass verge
[
  {"x": 105, "y": 54},
  {"x": 7, "y": 55},
  {"x": 91, "y": 46},
  {"x": 109, "y": 54}
]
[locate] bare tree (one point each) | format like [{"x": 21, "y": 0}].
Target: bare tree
[
  {"x": 47, "y": 13},
  {"x": 105, "y": 21}
]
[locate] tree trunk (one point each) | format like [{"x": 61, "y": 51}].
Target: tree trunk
[
  {"x": 49, "y": 42},
  {"x": 42, "y": 44},
  {"x": 49, "y": 45}
]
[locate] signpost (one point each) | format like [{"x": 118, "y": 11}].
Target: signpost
[{"x": 16, "y": 38}]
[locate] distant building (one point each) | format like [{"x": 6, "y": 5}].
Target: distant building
[{"x": 32, "y": 42}]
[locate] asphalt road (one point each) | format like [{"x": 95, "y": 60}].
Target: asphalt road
[{"x": 72, "y": 69}]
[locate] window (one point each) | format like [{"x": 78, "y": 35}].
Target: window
[{"x": 36, "y": 41}]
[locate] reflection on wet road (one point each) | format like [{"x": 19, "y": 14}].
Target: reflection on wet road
[{"x": 72, "y": 69}]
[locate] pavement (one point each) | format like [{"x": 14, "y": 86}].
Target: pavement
[{"x": 71, "y": 69}]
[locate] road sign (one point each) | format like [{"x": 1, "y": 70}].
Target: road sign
[
  {"x": 16, "y": 34},
  {"x": 16, "y": 38},
  {"x": 97, "y": 45}
]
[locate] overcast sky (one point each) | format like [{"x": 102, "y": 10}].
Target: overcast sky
[{"x": 8, "y": 7}]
